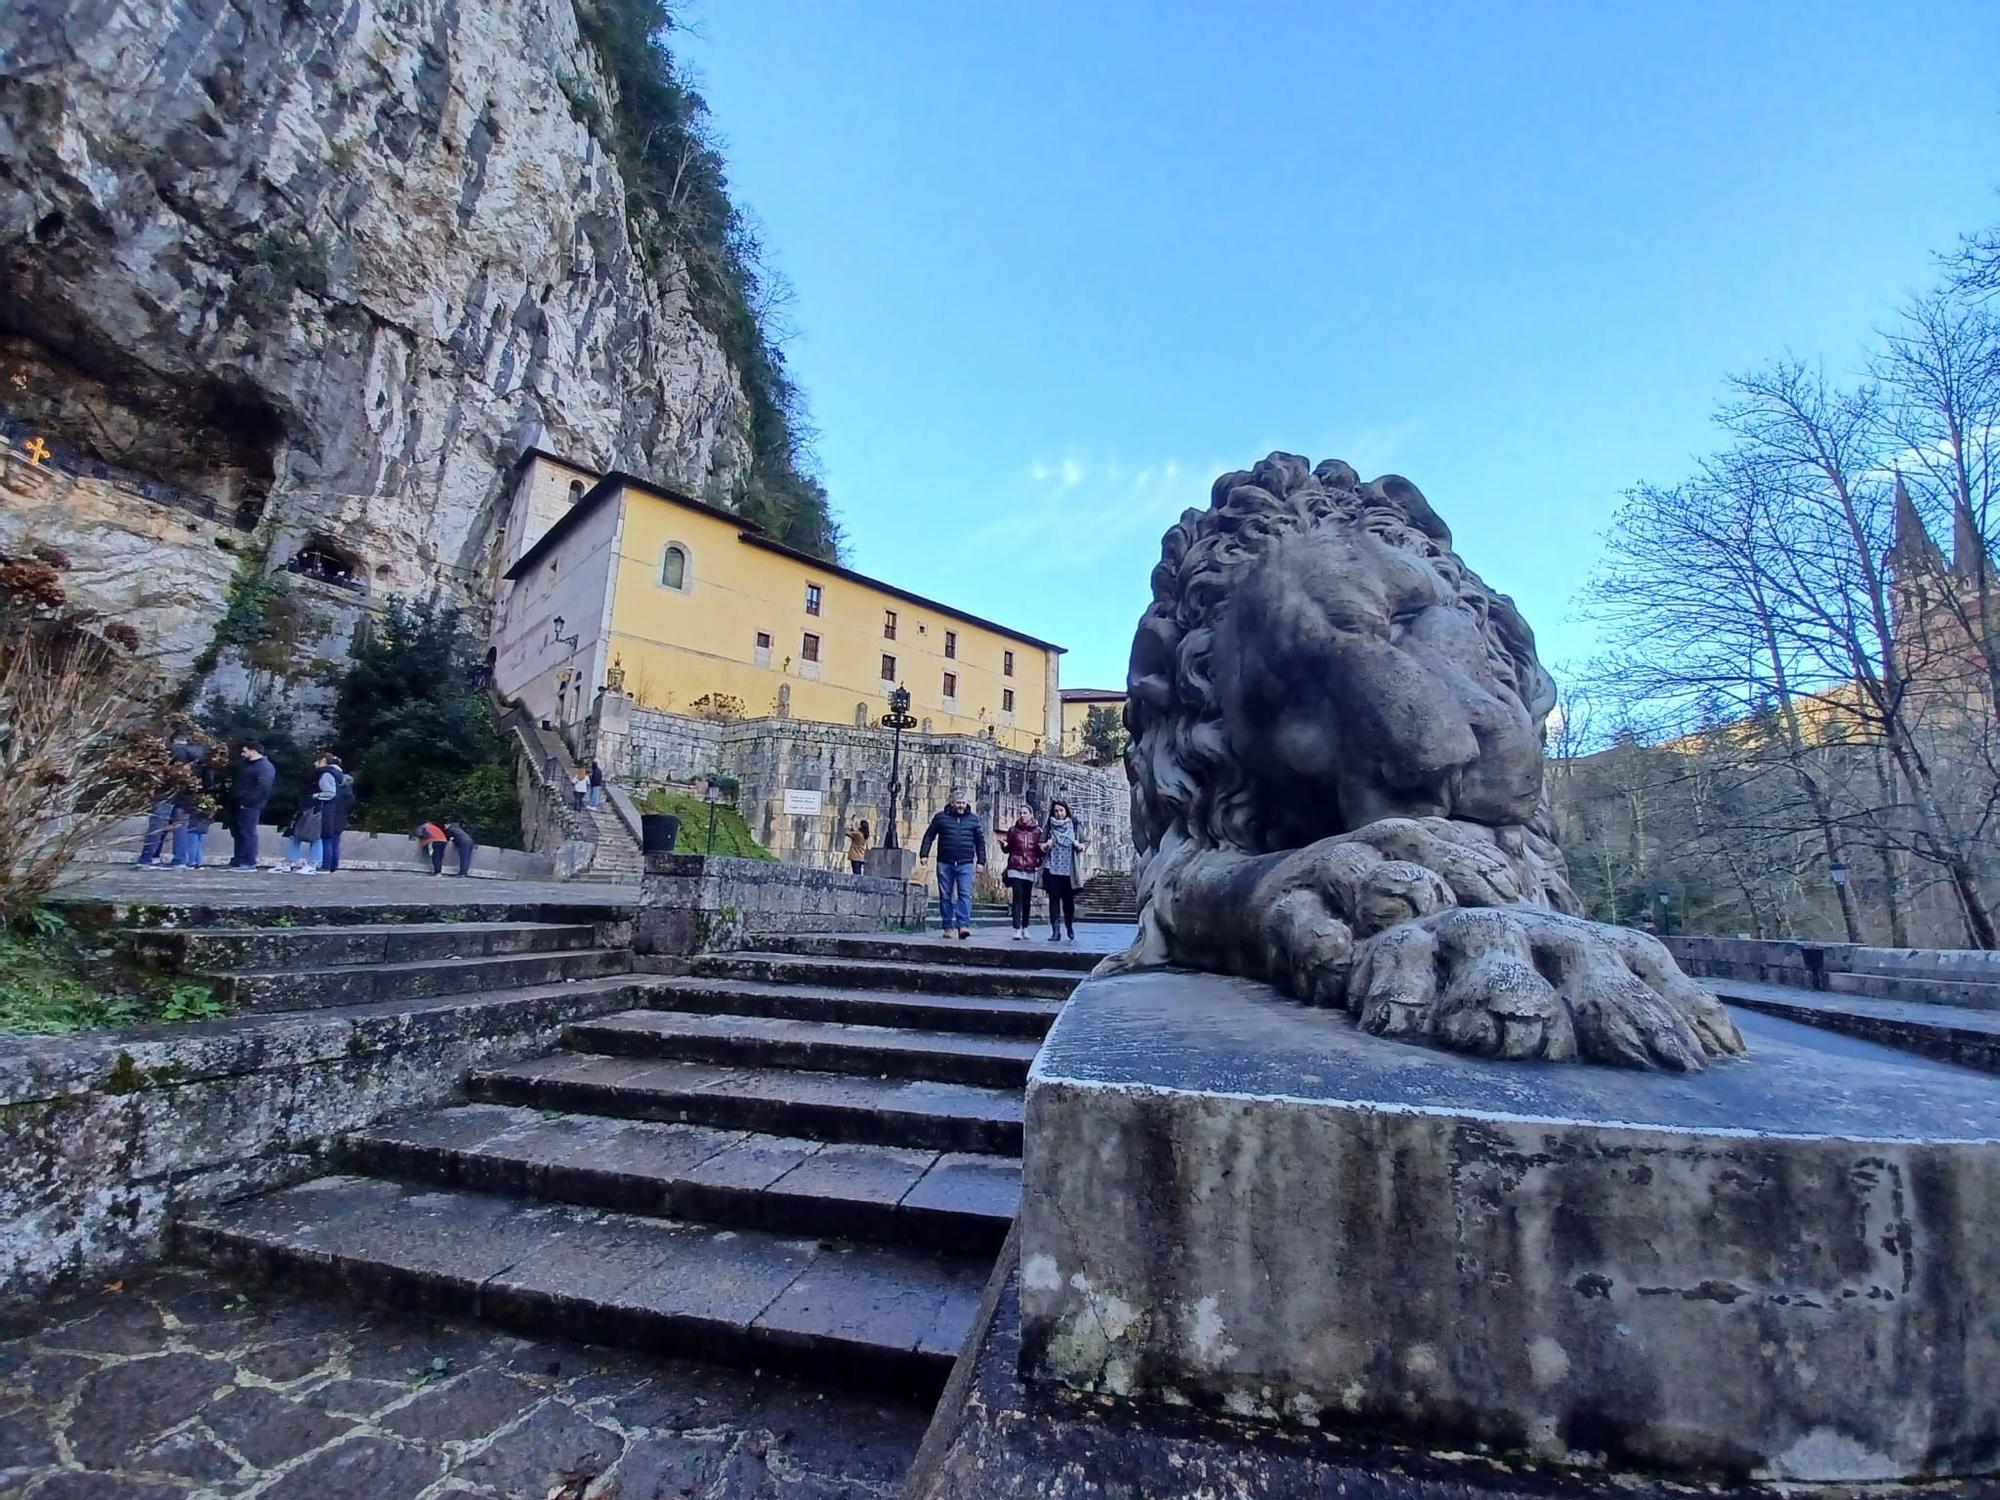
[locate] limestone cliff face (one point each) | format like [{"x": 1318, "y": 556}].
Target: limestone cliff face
[{"x": 332, "y": 264}]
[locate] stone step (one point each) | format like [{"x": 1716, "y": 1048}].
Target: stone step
[
  {"x": 198, "y": 948},
  {"x": 993, "y": 1015},
  {"x": 883, "y": 974},
  {"x": 1948, "y": 1033},
  {"x": 361, "y": 984},
  {"x": 918, "y": 1113},
  {"x": 890, "y": 1317},
  {"x": 813, "y": 1045},
  {"x": 292, "y": 903},
  {"x": 1968, "y": 994},
  {"x": 950, "y": 1201},
  {"x": 1038, "y": 954}
]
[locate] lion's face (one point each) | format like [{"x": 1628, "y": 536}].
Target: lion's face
[{"x": 1358, "y": 682}]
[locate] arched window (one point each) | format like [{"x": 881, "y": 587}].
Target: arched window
[
  {"x": 575, "y": 491},
  {"x": 674, "y": 567},
  {"x": 860, "y": 716}
]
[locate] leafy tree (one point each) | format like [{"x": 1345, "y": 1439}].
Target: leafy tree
[
  {"x": 1104, "y": 734},
  {"x": 265, "y": 720},
  {"x": 416, "y": 734}
]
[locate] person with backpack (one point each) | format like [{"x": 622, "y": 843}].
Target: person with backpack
[{"x": 336, "y": 800}]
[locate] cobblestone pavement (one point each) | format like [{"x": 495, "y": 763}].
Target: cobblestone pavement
[
  {"x": 184, "y": 1386},
  {"x": 219, "y": 886}
]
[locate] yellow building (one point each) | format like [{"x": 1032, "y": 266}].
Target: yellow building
[
  {"x": 693, "y": 610},
  {"x": 1076, "y": 706}
]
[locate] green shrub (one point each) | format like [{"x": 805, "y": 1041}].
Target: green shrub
[
  {"x": 732, "y": 833},
  {"x": 47, "y": 986}
]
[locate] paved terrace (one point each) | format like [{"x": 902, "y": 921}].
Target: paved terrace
[{"x": 184, "y": 1386}]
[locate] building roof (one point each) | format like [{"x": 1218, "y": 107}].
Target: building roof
[
  {"x": 770, "y": 544},
  {"x": 746, "y": 530},
  {"x": 1093, "y": 695},
  {"x": 554, "y": 458},
  {"x": 596, "y": 495}
]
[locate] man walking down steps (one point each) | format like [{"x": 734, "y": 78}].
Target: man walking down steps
[{"x": 961, "y": 844}]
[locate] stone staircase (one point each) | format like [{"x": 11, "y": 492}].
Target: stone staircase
[
  {"x": 1108, "y": 897},
  {"x": 802, "y": 1159},
  {"x": 619, "y": 859},
  {"x": 358, "y": 962}
]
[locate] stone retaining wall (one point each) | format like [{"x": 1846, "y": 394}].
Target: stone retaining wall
[
  {"x": 1807, "y": 964},
  {"x": 694, "y": 903},
  {"x": 849, "y": 767},
  {"x": 106, "y": 1140},
  {"x": 358, "y": 851}
]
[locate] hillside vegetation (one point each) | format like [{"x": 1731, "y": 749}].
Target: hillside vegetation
[{"x": 677, "y": 198}]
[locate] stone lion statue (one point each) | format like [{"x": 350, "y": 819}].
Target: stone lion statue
[{"x": 1335, "y": 752}]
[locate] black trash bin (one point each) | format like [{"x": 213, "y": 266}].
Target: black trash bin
[{"x": 657, "y": 832}]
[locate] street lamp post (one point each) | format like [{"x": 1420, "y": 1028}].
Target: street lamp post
[
  {"x": 1666, "y": 913},
  {"x": 1839, "y": 872},
  {"x": 897, "y": 719}
]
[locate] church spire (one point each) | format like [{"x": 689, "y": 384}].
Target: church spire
[
  {"x": 1968, "y": 547},
  {"x": 1912, "y": 552}
]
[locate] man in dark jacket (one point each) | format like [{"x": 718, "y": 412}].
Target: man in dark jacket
[
  {"x": 961, "y": 844},
  {"x": 249, "y": 790}
]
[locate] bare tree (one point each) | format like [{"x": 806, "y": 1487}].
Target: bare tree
[
  {"x": 1692, "y": 589},
  {"x": 1820, "y": 448}
]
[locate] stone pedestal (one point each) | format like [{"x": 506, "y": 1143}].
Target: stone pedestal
[
  {"x": 703, "y": 903},
  {"x": 1785, "y": 1266},
  {"x": 890, "y": 864}
]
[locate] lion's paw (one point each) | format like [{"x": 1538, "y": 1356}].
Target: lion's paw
[{"x": 1522, "y": 981}]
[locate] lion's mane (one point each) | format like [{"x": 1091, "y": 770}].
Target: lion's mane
[{"x": 1188, "y": 783}]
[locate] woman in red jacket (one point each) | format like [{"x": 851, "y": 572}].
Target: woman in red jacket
[{"x": 1023, "y": 843}]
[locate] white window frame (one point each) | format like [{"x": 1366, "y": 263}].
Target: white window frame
[{"x": 686, "y": 585}]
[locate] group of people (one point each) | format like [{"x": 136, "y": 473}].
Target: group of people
[
  {"x": 431, "y": 839},
  {"x": 586, "y": 785},
  {"x": 178, "y": 824},
  {"x": 1037, "y": 852}
]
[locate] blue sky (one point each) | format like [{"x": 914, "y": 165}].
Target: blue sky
[{"x": 1059, "y": 265}]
